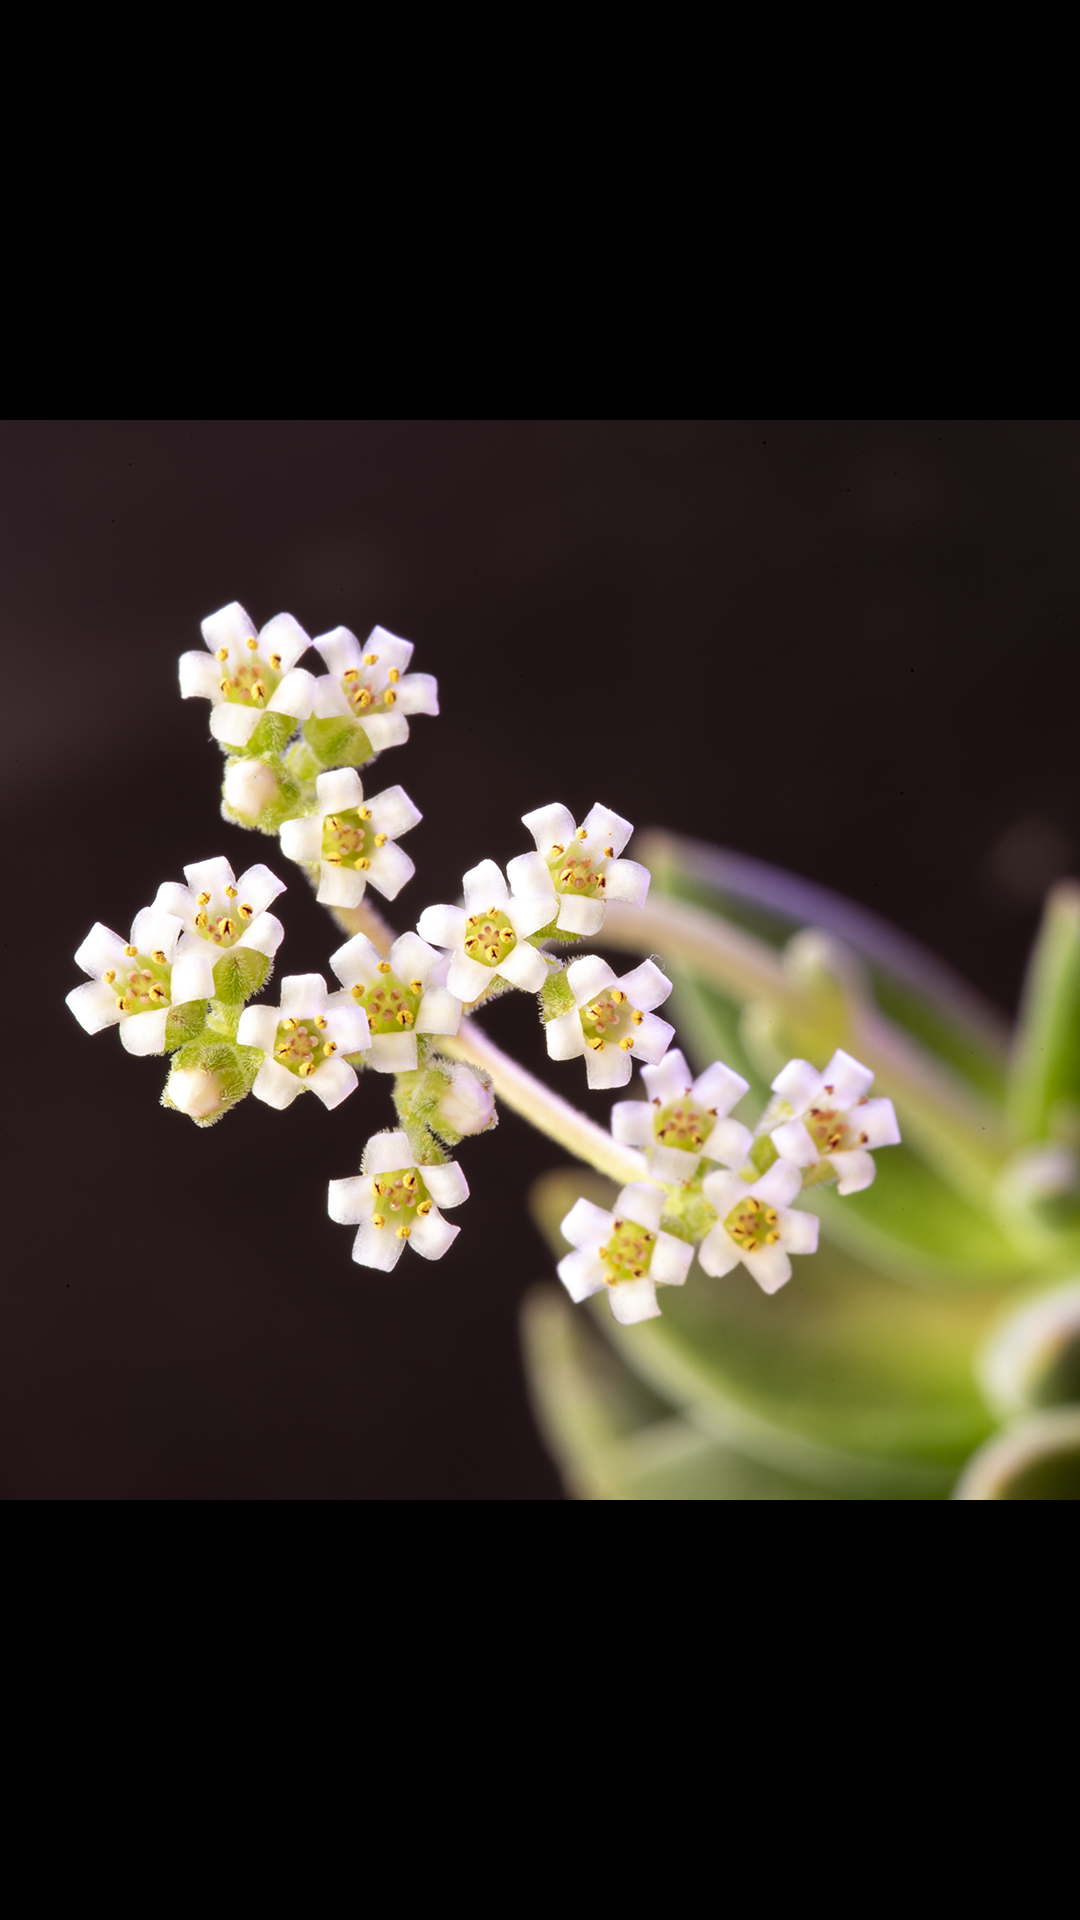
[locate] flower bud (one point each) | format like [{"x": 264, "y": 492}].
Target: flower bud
[
  {"x": 468, "y": 1105},
  {"x": 196, "y": 1091},
  {"x": 250, "y": 787}
]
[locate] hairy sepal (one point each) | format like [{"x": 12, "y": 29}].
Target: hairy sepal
[
  {"x": 555, "y": 997},
  {"x": 337, "y": 741},
  {"x": 184, "y": 1022},
  {"x": 236, "y": 1068},
  {"x": 241, "y": 973}
]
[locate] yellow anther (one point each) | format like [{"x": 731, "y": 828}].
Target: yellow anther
[
  {"x": 556, "y": 849},
  {"x": 618, "y": 996},
  {"x": 226, "y": 927},
  {"x": 230, "y": 893},
  {"x": 492, "y": 952},
  {"x": 626, "y": 1044},
  {"x": 409, "y": 1180},
  {"x": 403, "y": 1233},
  {"x": 332, "y": 859},
  {"x": 601, "y": 882},
  {"x": 583, "y": 833},
  {"x": 222, "y": 653},
  {"x": 609, "y": 852},
  {"x": 121, "y": 1004},
  {"x": 350, "y": 674},
  {"x": 283, "y": 1052},
  {"x": 201, "y": 922},
  {"x": 306, "y": 1069},
  {"x": 377, "y": 1220},
  {"x": 597, "y": 1046},
  {"x": 109, "y": 976},
  {"x": 772, "y": 1238},
  {"x": 380, "y": 839},
  {"x": 365, "y": 813},
  {"x": 357, "y": 992},
  {"x": 225, "y": 686},
  {"x": 424, "y": 1208},
  {"x": 330, "y": 1046},
  {"x": 770, "y": 1215},
  {"x": 507, "y": 936},
  {"x": 404, "y": 1018},
  {"x": 389, "y": 697},
  {"x": 362, "y": 864},
  {"x": 245, "y": 911},
  {"x": 258, "y": 691},
  {"x": 384, "y": 966},
  {"x": 416, "y": 986},
  {"x": 362, "y": 698},
  {"x": 252, "y": 646},
  {"x": 131, "y": 952},
  {"x": 275, "y": 661},
  {"x": 290, "y": 1026},
  {"x": 321, "y": 1020},
  {"x": 370, "y": 659},
  {"x": 204, "y": 899},
  {"x": 393, "y": 676},
  {"x": 637, "y": 1017}
]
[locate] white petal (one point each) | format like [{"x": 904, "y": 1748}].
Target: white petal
[
  {"x": 144, "y": 1033},
  {"x": 200, "y": 677},
  {"x": 439, "y": 1012},
  {"x": 328, "y": 700},
  {"x": 377, "y": 1247},
  {"x": 303, "y": 996},
  {"x": 723, "y": 1191},
  {"x": 528, "y": 876},
  {"x": 670, "y": 1080},
  {"x": 798, "y": 1230},
  {"x": 193, "y": 971},
  {"x": 276, "y": 1085},
  {"x": 652, "y": 1038},
  {"x": 577, "y": 915},
  {"x": 718, "y": 1253},
  {"x": 357, "y": 962},
  {"x": 673, "y": 1164},
  {"x": 443, "y": 926},
  {"x": 626, "y": 880},
  {"x": 632, "y": 1123},
  {"x": 385, "y": 730},
  {"x": 418, "y": 693},
  {"x": 212, "y": 877},
  {"x": 388, "y": 1152},
  {"x": 610, "y": 1067},
  {"x": 340, "y": 886},
  {"x": 587, "y": 1225},
  {"x": 349, "y": 1201},
  {"x": 154, "y": 930},
  {"x": 855, "y": 1168},
  {"x": 258, "y": 1028},
  {"x": 847, "y": 1077},
  {"x": 729, "y": 1142},
  {"x": 485, "y": 887},
  {"x": 794, "y": 1142},
  {"x": 467, "y": 978},
  {"x": 607, "y": 827},
  {"x": 340, "y": 649},
  {"x": 393, "y": 813},
  {"x": 333, "y": 1080},
  {"x": 295, "y": 695},
  {"x": 390, "y": 870},
  {"x": 347, "y": 1024},
  {"x": 770, "y": 1267},
  {"x": 587, "y": 976},
  {"x": 581, "y": 1273},
  {"x": 671, "y": 1260},
  {"x": 285, "y": 636},
  {"x": 633, "y": 1300},
  {"x": 264, "y": 935},
  {"x": 339, "y": 791},
  {"x": 525, "y": 968},
  {"x": 101, "y": 950},
  {"x": 779, "y": 1185},
  {"x": 392, "y": 650},
  {"x": 641, "y": 1202},
  {"x": 447, "y": 1184},
  {"x": 528, "y": 912},
  {"x": 878, "y": 1121},
  {"x": 233, "y": 725},
  {"x": 550, "y": 827},
  {"x": 229, "y": 627},
  {"x": 796, "y": 1083},
  {"x": 565, "y": 1039},
  {"x": 719, "y": 1088},
  {"x": 257, "y": 887},
  {"x": 393, "y": 1052},
  {"x": 94, "y": 1006},
  {"x": 646, "y": 987},
  {"x": 172, "y": 898},
  {"x": 432, "y": 1235}
]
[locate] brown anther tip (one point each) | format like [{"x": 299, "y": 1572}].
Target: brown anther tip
[
  {"x": 771, "y": 1239},
  {"x": 416, "y": 986},
  {"x": 656, "y": 1099},
  {"x": 332, "y": 859},
  {"x": 389, "y": 697},
  {"x": 158, "y": 956},
  {"x": 201, "y": 922},
  {"x": 275, "y": 661},
  {"x": 350, "y": 674},
  {"x": 828, "y": 1090},
  {"x": 365, "y": 813},
  {"x": 471, "y": 942},
  {"x": 404, "y": 1018},
  {"x": 306, "y": 1069},
  {"x": 363, "y": 864},
  {"x": 221, "y": 653},
  {"x": 330, "y": 1047},
  {"x": 556, "y": 849},
  {"x": 377, "y": 1219},
  {"x": 618, "y": 1224},
  {"x": 609, "y": 853},
  {"x": 863, "y": 1138},
  {"x": 246, "y": 910},
  {"x": 863, "y": 1102},
  {"x": 290, "y": 1026},
  {"x": 204, "y": 899},
  {"x": 384, "y": 966},
  {"x": 507, "y": 936},
  {"x": 393, "y": 676},
  {"x": 597, "y": 1046},
  {"x": 380, "y": 839},
  {"x": 224, "y": 686}
]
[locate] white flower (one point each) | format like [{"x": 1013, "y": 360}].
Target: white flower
[
  {"x": 351, "y": 843},
  {"x": 304, "y": 1040},
  {"x": 756, "y": 1225},
  {"x": 402, "y": 996},
  {"x": 131, "y": 981},
  {"x": 833, "y": 1119},
  {"x": 579, "y": 866},
  {"x": 487, "y": 935},
  {"x": 611, "y": 1019},
  {"x": 468, "y": 1105},
  {"x": 366, "y": 683},
  {"x": 624, "y": 1251},
  {"x": 684, "y": 1120},
  {"x": 246, "y": 674},
  {"x": 219, "y": 913},
  {"x": 393, "y": 1200}
]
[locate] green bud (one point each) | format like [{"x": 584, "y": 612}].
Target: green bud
[
  {"x": 209, "y": 1076},
  {"x": 261, "y": 793}
]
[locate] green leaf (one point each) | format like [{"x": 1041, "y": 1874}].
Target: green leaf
[
  {"x": 1045, "y": 1069},
  {"x": 338, "y": 741}
]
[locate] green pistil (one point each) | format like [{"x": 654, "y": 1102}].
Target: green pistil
[
  {"x": 628, "y": 1252},
  {"x": 752, "y": 1225},
  {"x": 576, "y": 873},
  {"x": 141, "y": 984},
  {"x": 390, "y": 1007},
  {"x": 302, "y": 1045},
  {"x": 489, "y": 937},
  {"x": 401, "y": 1199},
  {"x": 252, "y": 685},
  {"x": 347, "y": 839},
  {"x": 679, "y": 1125}
]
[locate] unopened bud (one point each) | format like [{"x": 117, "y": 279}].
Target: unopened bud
[
  {"x": 250, "y": 787},
  {"x": 196, "y": 1091},
  {"x": 468, "y": 1105}
]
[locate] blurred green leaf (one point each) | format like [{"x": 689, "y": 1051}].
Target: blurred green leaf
[{"x": 1046, "y": 1054}]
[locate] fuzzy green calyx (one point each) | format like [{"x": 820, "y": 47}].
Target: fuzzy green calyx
[
  {"x": 210, "y": 1076},
  {"x": 489, "y": 937},
  {"x": 753, "y": 1225},
  {"x": 628, "y": 1252},
  {"x": 259, "y": 790},
  {"x": 555, "y": 996},
  {"x": 391, "y": 1007},
  {"x": 239, "y": 974},
  {"x": 687, "y": 1215},
  {"x": 337, "y": 741},
  {"x": 401, "y": 1198}
]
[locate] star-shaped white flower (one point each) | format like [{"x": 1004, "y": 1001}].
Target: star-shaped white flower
[
  {"x": 304, "y": 1040},
  {"x": 684, "y": 1121},
  {"x": 579, "y": 867},
  {"x": 246, "y": 674},
  {"x": 371, "y": 685},
  {"x": 351, "y": 843},
  {"x": 756, "y": 1225},
  {"x": 488, "y": 935},
  {"x": 401, "y": 996},
  {"x": 219, "y": 913},
  {"x": 393, "y": 1200},
  {"x": 611, "y": 1019},
  {"x": 131, "y": 981},
  {"x": 833, "y": 1120},
  {"x": 623, "y": 1251}
]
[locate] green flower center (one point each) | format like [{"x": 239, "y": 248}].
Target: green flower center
[
  {"x": 390, "y": 1006},
  {"x": 610, "y": 1018},
  {"x": 681, "y": 1125},
  {"x": 141, "y": 984},
  {"x": 303, "y": 1045},
  {"x": 628, "y": 1252},
  {"x": 489, "y": 937},
  {"x": 575, "y": 872},
  {"x": 401, "y": 1199},
  {"x": 253, "y": 684},
  {"x": 348, "y": 841},
  {"x": 826, "y": 1129},
  {"x": 752, "y": 1225},
  {"x": 367, "y": 691},
  {"x": 223, "y": 929}
]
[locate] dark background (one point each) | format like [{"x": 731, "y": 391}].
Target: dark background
[{"x": 847, "y": 648}]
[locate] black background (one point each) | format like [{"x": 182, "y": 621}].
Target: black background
[{"x": 849, "y": 648}]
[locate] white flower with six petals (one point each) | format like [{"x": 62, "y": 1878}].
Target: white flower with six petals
[
  {"x": 833, "y": 1120},
  {"x": 623, "y": 1251},
  {"x": 579, "y": 867},
  {"x": 304, "y": 1040},
  {"x": 401, "y": 996},
  {"x": 370, "y": 684},
  {"x": 611, "y": 1018},
  {"x": 394, "y": 1201},
  {"x": 684, "y": 1121},
  {"x": 488, "y": 935},
  {"x": 350, "y": 842},
  {"x": 131, "y": 981},
  {"x": 246, "y": 674},
  {"x": 219, "y": 913},
  {"x": 756, "y": 1225}
]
